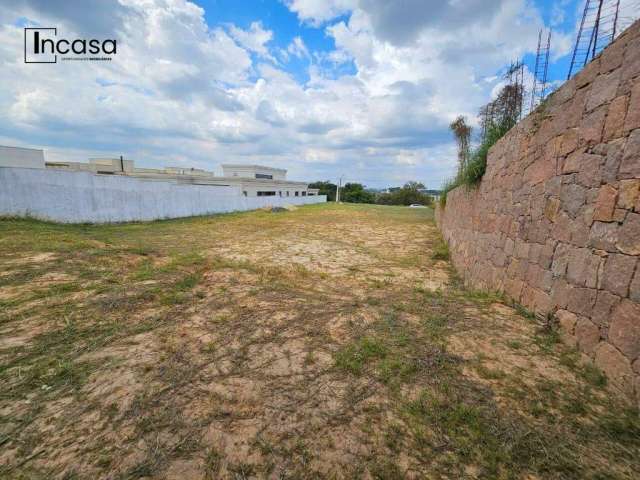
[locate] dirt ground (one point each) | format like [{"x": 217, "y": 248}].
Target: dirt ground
[{"x": 326, "y": 342}]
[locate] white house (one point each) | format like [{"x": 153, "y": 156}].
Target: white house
[
  {"x": 260, "y": 181},
  {"x": 253, "y": 180}
]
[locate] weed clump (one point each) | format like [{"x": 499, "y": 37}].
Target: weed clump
[{"x": 440, "y": 251}]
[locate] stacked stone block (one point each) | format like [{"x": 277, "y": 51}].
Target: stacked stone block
[{"x": 555, "y": 222}]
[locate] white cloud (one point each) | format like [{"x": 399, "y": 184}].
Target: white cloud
[
  {"x": 181, "y": 91},
  {"x": 255, "y": 39},
  {"x": 297, "y": 48},
  {"x": 316, "y": 12},
  {"x": 320, "y": 155},
  {"x": 558, "y": 12}
]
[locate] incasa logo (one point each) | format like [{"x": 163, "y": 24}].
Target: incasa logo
[{"x": 42, "y": 45}]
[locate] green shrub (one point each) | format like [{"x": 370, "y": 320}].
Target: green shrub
[
  {"x": 471, "y": 173},
  {"x": 446, "y": 188},
  {"x": 440, "y": 251}
]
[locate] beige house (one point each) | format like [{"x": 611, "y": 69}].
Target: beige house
[{"x": 253, "y": 180}]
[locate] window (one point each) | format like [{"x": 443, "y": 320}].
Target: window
[
  {"x": 287, "y": 193},
  {"x": 266, "y": 194},
  {"x": 279, "y": 193},
  {"x": 297, "y": 194},
  {"x": 304, "y": 194},
  {"x": 244, "y": 193},
  {"x": 264, "y": 175}
]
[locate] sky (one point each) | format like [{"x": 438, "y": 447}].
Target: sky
[{"x": 363, "y": 89}]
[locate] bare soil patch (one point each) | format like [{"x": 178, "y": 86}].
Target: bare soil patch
[{"x": 324, "y": 342}]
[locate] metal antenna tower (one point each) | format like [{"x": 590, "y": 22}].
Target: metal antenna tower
[
  {"x": 539, "y": 90},
  {"x": 597, "y": 30}
]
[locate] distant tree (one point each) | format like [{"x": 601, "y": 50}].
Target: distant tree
[
  {"x": 356, "y": 193},
  {"x": 414, "y": 186},
  {"x": 409, "y": 194},
  {"x": 325, "y": 188}
]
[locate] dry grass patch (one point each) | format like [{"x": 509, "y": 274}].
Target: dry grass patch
[{"x": 326, "y": 342}]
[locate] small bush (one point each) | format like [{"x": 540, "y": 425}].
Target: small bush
[{"x": 440, "y": 251}]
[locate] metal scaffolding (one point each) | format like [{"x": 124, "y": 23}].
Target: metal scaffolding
[
  {"x": 599, "y": 26},
  {"x": 507, "y": 108},
  {"x": 539, "y": 89}
]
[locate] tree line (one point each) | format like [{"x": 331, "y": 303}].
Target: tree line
[{"x": 409, "y": 193}]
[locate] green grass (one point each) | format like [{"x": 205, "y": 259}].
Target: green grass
[
  {"x": 489, "y": 373},
  {"x": 476, "y": 433},
  {"x": 440, "y": 251},
  {"x": 514, "y": 344},
  {"x": 354, "y": 357},
  {"x": 593, "y": 375}
]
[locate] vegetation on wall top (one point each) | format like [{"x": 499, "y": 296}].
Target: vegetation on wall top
[{"x": 498, "y": 117}]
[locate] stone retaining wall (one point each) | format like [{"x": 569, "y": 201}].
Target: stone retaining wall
[{"x": 555, "y": 222}]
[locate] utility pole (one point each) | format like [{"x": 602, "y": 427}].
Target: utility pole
[{"x": 338, "y": 189}]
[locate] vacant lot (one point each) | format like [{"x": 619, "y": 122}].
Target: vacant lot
[{"x": 326, "y": 342}]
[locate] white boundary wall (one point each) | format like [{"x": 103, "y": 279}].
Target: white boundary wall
[{"x": 83, "y": 197}]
